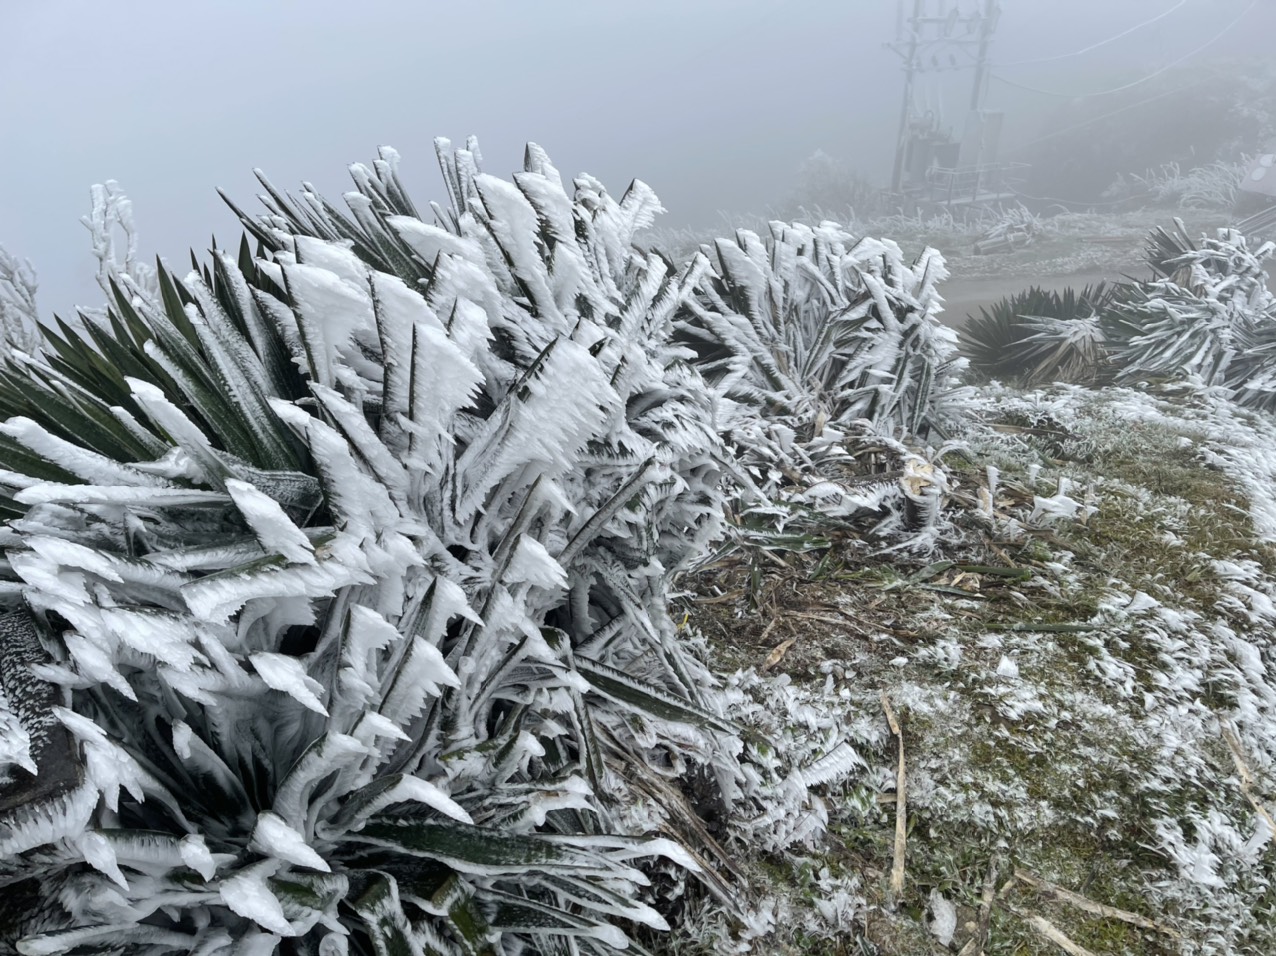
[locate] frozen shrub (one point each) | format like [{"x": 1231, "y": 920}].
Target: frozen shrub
[
  {"x": 821, "y": 346},
  {"x": 342, "y": 570},
  {"x": 1040, "y": 336},
  {"x": 1206, "y": 316}
]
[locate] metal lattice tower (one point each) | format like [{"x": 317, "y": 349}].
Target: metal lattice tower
[{"x": 940, "y": 36}]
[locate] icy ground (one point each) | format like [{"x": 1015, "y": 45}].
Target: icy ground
[{"x": 1083, "y": 679}]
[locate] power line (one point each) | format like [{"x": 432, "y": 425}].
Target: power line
[
  {"x": 1101, "y": 43},
  {"x": 1139, "y": 82},
  {"x": 1102, "y": 116}
]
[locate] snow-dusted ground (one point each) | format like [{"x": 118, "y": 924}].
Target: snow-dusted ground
[{"x": 1103, "y": 719}]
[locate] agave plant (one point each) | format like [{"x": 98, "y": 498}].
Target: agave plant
[
  {"x": 811, "y": 326},
  {"x": 1039, "y": 336},
  {"x": 1207, "y": 316},
  {"x": 1164, "y": 249},
  {"x": 337, "y": 575},
  {"x": 826, "y": 353}
]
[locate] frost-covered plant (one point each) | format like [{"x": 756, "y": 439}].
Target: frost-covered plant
[
  {"x": 1015, "y": 222},
  {"x": 348, "y": 563},
  {"x": 1207, "y": 317},
  {"x": 111, "y": 219},
  {"x": 927, "y": 223},
  {"x": 1164, "y": 249},
  {"x": 1071, "y": 350},
  {"x": 822, "y": 348},
  {"x": 811, "y": 326},
  {"x": 19, "y": 319},
  {"x": 1212, "y": 186},
  {"x": 1039, "y": 336}
]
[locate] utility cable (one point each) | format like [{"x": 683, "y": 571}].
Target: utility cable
[
  {"x": 1102, "y": 116},
  {"x": 1139, "y": 82},
  {"x": 1101, "y": 43}
]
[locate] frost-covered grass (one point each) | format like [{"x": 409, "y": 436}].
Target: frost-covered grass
[
  {"x": 1066, "y": 688},
  {"x": 1213, "y": 185}
]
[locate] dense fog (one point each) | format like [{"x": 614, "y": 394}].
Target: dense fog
[{"x": 717, "y": 104}]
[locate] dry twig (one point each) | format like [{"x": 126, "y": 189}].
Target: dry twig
[
  {"x": 818, "y": 618},
  {"x": 1247, "y": 779},
  {"x": 1048, "y": 931},
  {"x": 1090, "y": 906},
  {"x": 901, "y": 809},
  {"x": 975, "y": 945}
]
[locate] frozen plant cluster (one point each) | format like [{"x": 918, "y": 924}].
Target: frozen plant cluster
[
  {"x": 344, "y": 564},
  {"x": 820, "y": 346},
  {"x": 1212, "y": 186},
  {"x": 800, "y": 737},
  {"x": 1208, "y": 318},
  {"x": 1205, "y": 316}
]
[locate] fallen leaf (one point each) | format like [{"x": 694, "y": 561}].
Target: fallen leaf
[{"x": 777, "y": 655}]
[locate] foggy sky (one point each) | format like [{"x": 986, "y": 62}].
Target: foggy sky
[{"x": 715, "y": 103}]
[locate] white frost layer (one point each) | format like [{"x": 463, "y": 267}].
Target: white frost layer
[
  {"x": 248, "y": 894},
  {"x": 274, "y": 837},
  {"x": 288, "y": 675},
  {"x": 15, "y": 742},
  {"x": 272, "y": 527}
]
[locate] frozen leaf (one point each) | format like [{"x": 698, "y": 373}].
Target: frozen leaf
[
  {"x": 288, "y": 675},
  {"x": 272, "y": 836},
  {"x": 248, "y": 894},
  {"x": 272, "y": 527}
]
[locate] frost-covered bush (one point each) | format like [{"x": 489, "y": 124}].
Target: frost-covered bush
[
  {"x": 345, "y": 566},
  {"x": 821, "y": 347},
  {"x": 811, "y": 326},
  {"x": 1011, "y": 226},
  {"x": 1206, "y": 316},
  {"x": 1211, "y": 186},
  {"x": 1039, "y": 336}
]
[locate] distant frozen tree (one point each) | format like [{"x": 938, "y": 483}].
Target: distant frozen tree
[
  {"x": 19, "y": 318},
  {"x": 109, "y": 221},
  {"x": 826, "y": 186}
]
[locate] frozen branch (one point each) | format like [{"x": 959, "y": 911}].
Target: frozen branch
[{"x": 18, "y": 315}]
